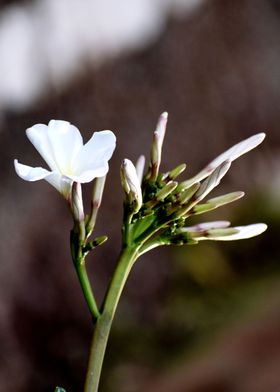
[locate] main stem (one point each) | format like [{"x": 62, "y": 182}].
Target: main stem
[{"x": 104, "y": 321}]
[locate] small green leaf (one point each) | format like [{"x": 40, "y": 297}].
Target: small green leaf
[
  {"x": 142, "y": 224},
  {"x": 96, "y": 242}
]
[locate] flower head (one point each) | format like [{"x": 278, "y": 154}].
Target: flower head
[
  {"x": 61, "y": 145},
  {"x": 167, "y": 204}
]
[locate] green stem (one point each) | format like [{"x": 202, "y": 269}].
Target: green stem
[
  {"x": 86, "y": 288},
  {"x": 104, "y": 321},
  {"x": 77, "y": 241}
]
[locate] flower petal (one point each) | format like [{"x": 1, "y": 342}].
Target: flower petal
[
  {"x": 98, "y": 170},
  {"x": 96, "y": 152},
  {"x": 29, "y": 173},
  {"x": 61, "y": 183},
  {"x": 65, "y": 141},
  {"x": 38, "y": 135}
]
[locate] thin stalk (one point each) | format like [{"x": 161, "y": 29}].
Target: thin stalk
[
  {"x": 77, "y": 240},
  {"x": 86, "y": 288},
  {"x": 104, "y": 322}
]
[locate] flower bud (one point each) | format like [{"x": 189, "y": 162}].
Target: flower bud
[
  {"x": 97, "y": 194},
  {"x": 176, "y": 171},
  {"x": 77, "y": 203},
  {"x": 131, "y": 185},
  {"x": 187, "y": 194},
  {"x": 216, "y": 202},
  {"x": 157, "y": 146},
  {"x": 140, "y": 165},
  {"x": 166, "y": 190},
  {"x": 212, "y": 181}
]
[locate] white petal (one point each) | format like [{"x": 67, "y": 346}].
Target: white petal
[
  {"x": 244, "y": 232},
  {"x": 38, "y": 135},
  {"x": 95, "y": 152},
  {"x": 94, "y": 172},
  {"x": 231, "y": 154},
  {"x": 29, "y": 173},
  {"x": 60, "y": 183},
  {"x": 66, "y": 141}
]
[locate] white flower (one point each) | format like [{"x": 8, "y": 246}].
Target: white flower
[{"x": 61, "y": 145}]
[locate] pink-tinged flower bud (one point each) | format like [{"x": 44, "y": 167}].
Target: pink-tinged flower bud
[{"x": 157, "y": 146}]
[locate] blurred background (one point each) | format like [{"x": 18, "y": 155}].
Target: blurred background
[{"x": 192, "y": 319}]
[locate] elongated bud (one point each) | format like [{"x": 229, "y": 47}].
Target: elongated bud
[
  {"x": 216, "y": 202},
  {"x": 219, "y": 231},
  {"x": 166, "y": 190},
  {"x": 213, "y": 180},
  {"x": 222, "y": 224},
  {"x": 186, "y": 195},
  {"x": 176, "y": 171},
  {"x": 140, "y": 165},
  {"x": 157, "y": 146},
  {"x": 97, "y": 193},
  {"x": 229, "y": 155},
  {"x": 206, "y": 187},
  {"x": 77, "y": 203},
  {"x": 162, "y": 194},
  {"x": 131, "y": 185}
]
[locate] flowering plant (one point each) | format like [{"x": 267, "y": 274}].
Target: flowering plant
[{"x": 156, "y": 208}]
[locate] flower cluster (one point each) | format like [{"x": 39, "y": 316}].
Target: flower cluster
[{"x": 157, "y": 205}]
